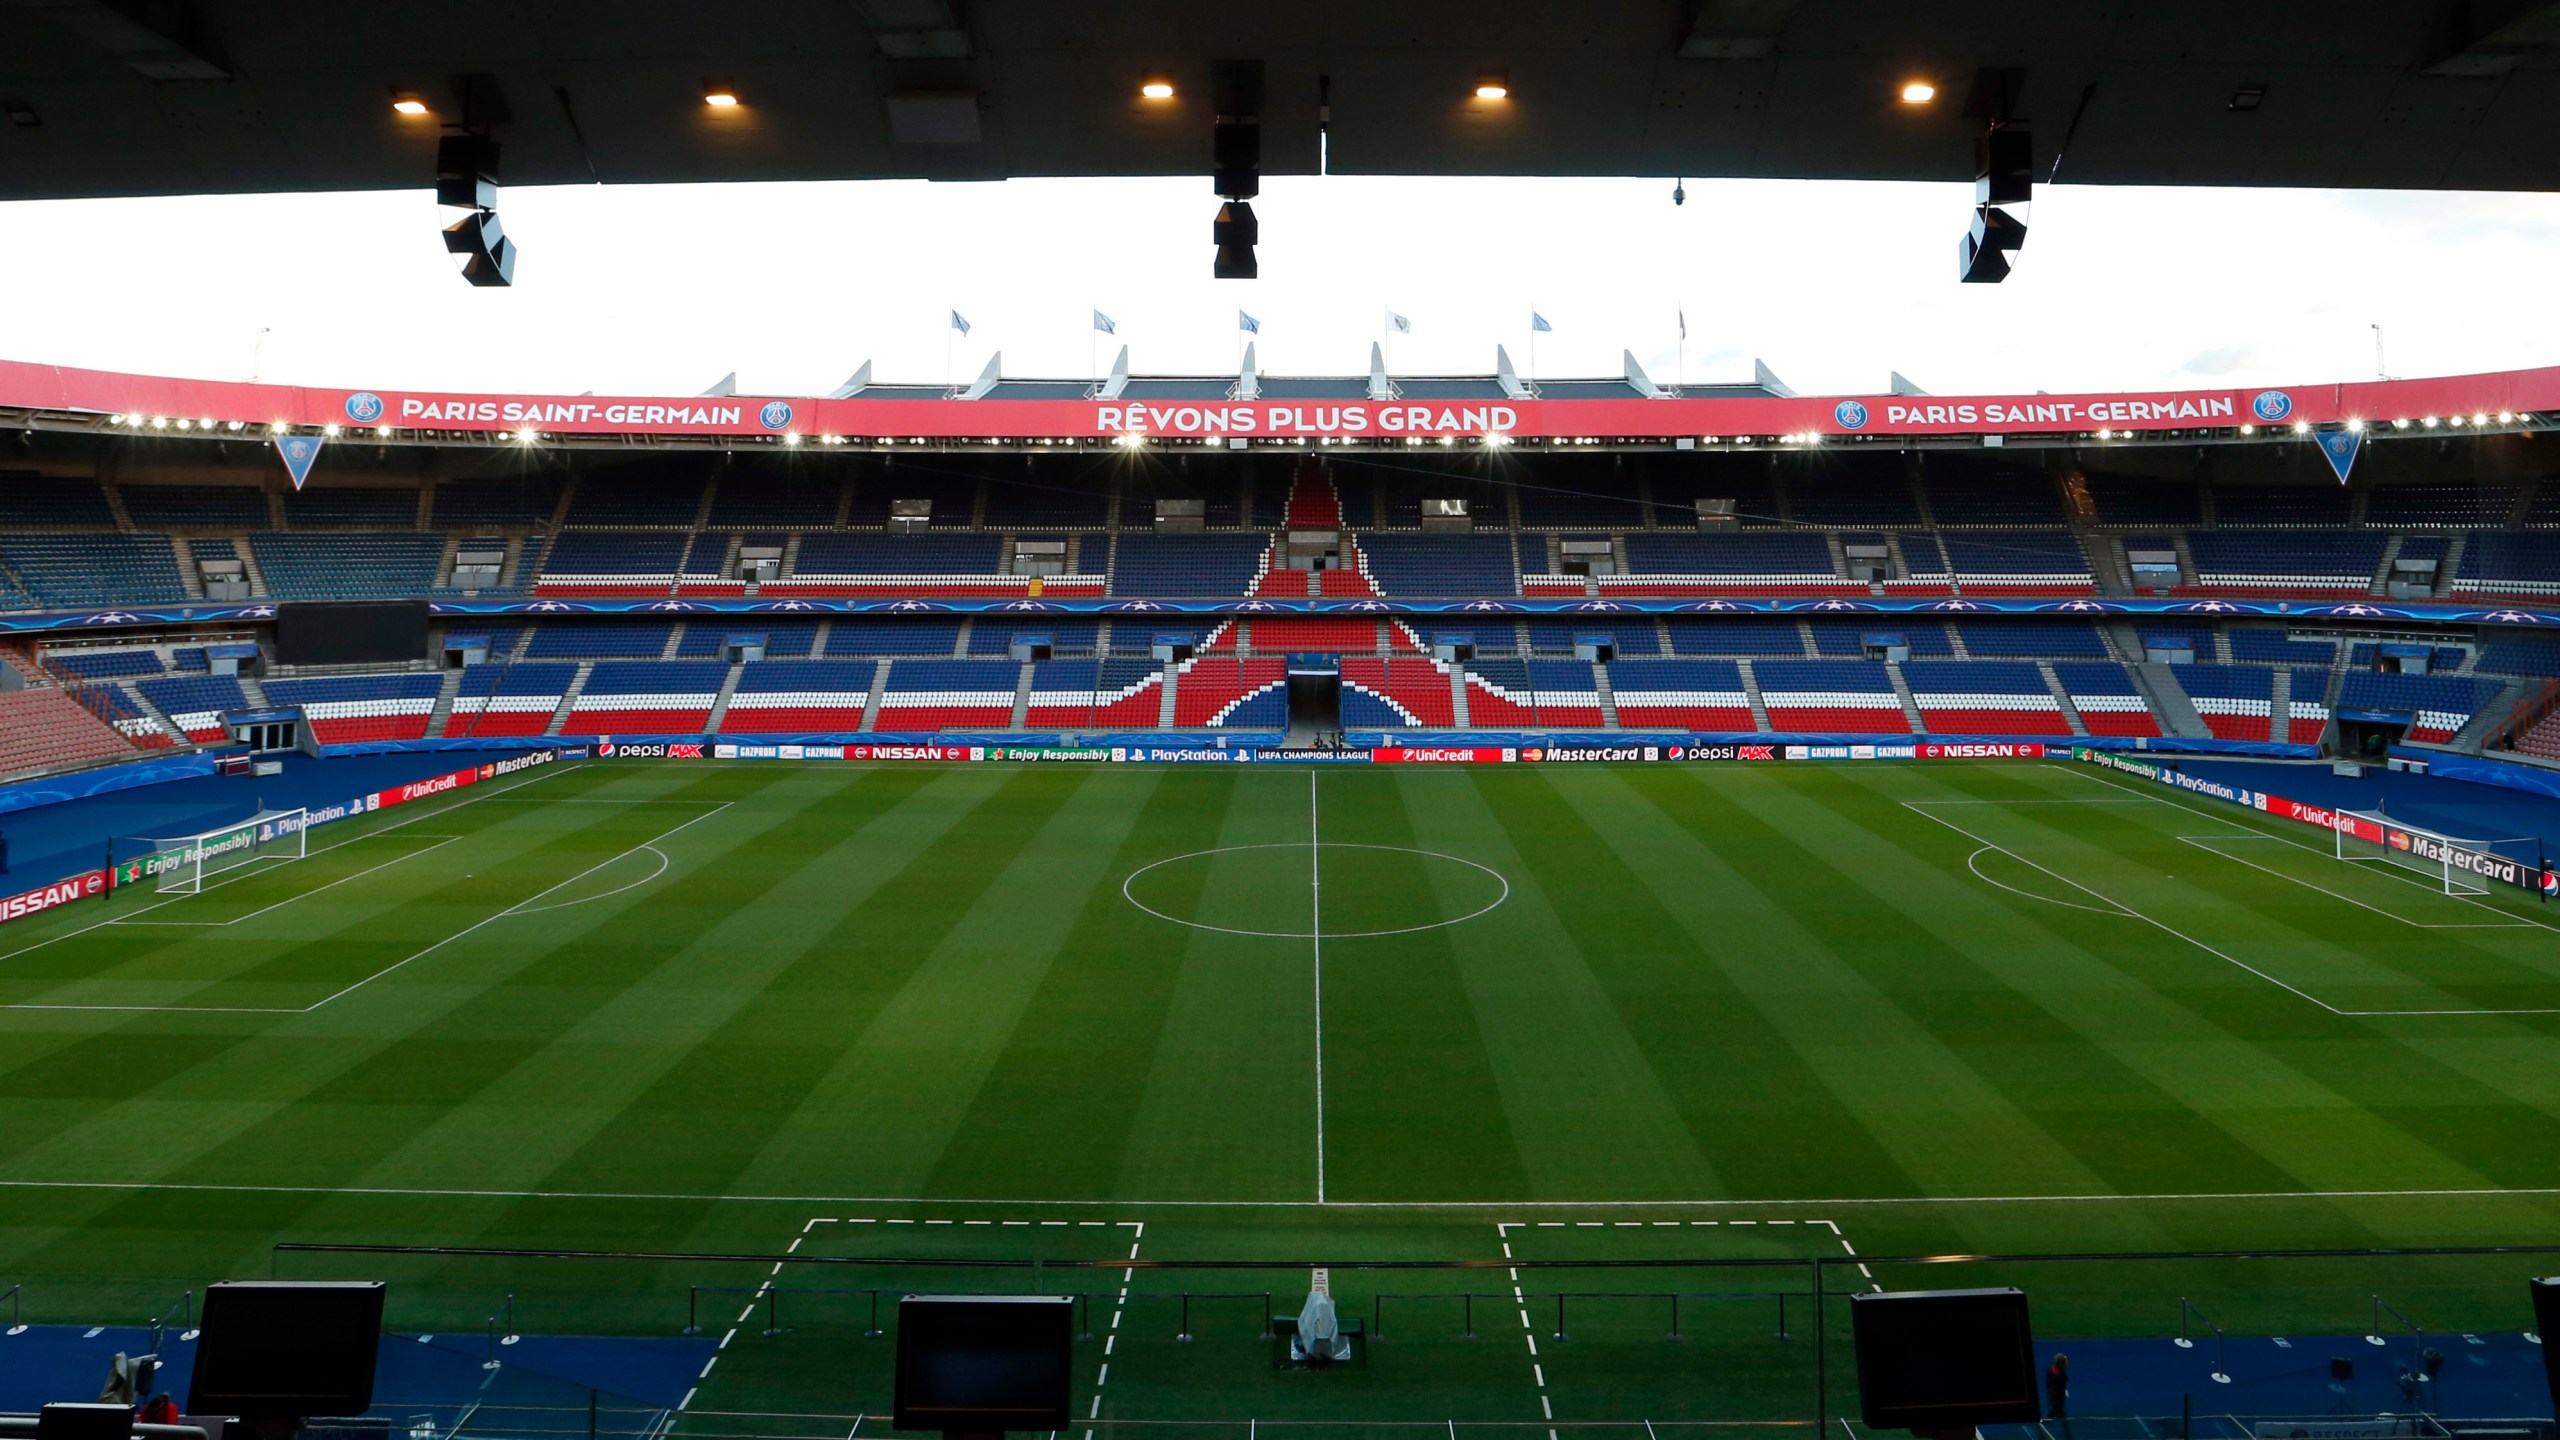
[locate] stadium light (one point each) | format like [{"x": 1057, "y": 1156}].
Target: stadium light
[
  {"x": 2248, "y": 429},
  {"x": 2430, "y": 422},
  {"x": 384, "y": 431},
  {"x": 527, "y": 435},
  {"x": 2478, "y": 420},
  {"x": 2400, "y": 424},
  {"x": 2355, "y": 427},
  {"x": 233, "y": 425},
  {"x": 791, "y": 437},
  {"x": 1919, "y": 92},
  {"x": 1494, "y": 85},
  {"x": 719, "y": 94},
  {"x": 1156, "y": 89},
  {"x": 330, "y": 430},
  {"x": 2454, "y": 420},
  {"x": 2506, "y": 417}
]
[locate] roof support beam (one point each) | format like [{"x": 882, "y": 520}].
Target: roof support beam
[{"x": 159, "y": 39}]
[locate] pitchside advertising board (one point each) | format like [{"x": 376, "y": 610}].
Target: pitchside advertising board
[
  {"x": 46, "y": 387},
  {"x": 2486, "y": 864},
  {"x": 141, "y": 869}
]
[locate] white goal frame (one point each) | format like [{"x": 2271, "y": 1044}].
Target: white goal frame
[
  {"x": 180, "y": 864},
  {"x": 2452, "y": 878}
]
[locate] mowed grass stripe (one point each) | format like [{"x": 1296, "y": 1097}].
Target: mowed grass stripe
[
  {"x": 1589, "y": 1112},
  {"x": 2217, "y": 1043},
  {"x": 1228, "y": 1110},
  {"x": 1418, "y": 1104},
  {"x": 284, "y": 1122},
  {"x": 2345, "y": 956},
  {"x": 194, "y": 1094},
  {"x": 803, "y": 1069},
  {"x": 1894, "y": 1108},
  {"x": 2007, "y": 984}
]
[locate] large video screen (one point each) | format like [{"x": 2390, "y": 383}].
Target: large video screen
[
  {"x": 983, "y": 1362},
  {"x": 368, "y": 632}
]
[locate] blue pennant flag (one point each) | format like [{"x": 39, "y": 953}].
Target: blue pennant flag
[
  {"x": 298, "y": 452},
  {"x": 1104, "y": 324},
  {"x": 1248, "y": 324},
  {"x": 2341, "y": 447},
  {"x": 958, "y": 323},
  {"x": 1539, "y": 323}
]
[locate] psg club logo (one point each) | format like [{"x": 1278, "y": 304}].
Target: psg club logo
[
  {"x": 1850, "y": 414},
  {"x": 2271, "y": 406},
  {"x": 364, "y": 407},
  {"x": 775, "y": 414}
]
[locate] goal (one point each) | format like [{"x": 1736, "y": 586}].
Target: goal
[
  {"x": 180, "y": 864},
  {"x": 2460, "y": 866}
]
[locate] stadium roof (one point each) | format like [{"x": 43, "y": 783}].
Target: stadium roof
[{"x": 104, "y": 97}]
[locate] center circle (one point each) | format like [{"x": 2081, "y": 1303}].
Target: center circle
[{"x": 1342, "y": 891}]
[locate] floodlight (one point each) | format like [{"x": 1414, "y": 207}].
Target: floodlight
[
  {"x": 330, "y": 430},
  {"x": 719, "y": 94},
  {"x": 1919, "y": 92},
  {"x": 408, "y": 102},
  {"x": 1494, "y": 85},
  {"x": 1156, "y": 89}
]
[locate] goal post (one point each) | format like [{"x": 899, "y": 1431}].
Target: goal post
[
  {"x": 2457, "y": 865},
  {"x": 180, "y": 864}
]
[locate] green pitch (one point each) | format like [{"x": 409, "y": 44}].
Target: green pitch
[{"x": 1496, "y": 1015}]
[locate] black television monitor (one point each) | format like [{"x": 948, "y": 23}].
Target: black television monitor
[
  {"x": 1934, "y": 1360},
  {"x": 283, "y": 1350},
  {"x": 984, "y": 1363},
  {"x": 2546, "y": 1323}
]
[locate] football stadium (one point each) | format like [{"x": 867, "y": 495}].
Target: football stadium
[{"x": 1377, "y": 904}]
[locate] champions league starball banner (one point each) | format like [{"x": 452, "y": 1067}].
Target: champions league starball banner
[{"x": 144, "y": 399}]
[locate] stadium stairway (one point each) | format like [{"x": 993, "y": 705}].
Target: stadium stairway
[
  {"x": 443, "y": 712},
  {"x": 871, "y": 702},
  {"x": 1751, "y": 690},
  {"x": 2168, "y": 700},
  {"x": 2062, "y": 697},
  {"x": 1910, "y": 705},
  {"x": 569, "y": 697},
  {"x": 728, "y": 691},
  {"x": 1608, "y": 697},
  {"x": 1021, "y": 696},
  {"x": 1164, "y": 709},
  {"x": 1458, "y": 697}
]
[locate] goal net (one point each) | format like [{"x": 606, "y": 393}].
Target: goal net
[
  {"x": 2460, "y": 866},
  {"x": 180, "y": 864}
]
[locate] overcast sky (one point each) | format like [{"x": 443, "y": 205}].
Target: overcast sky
[{"x": 661, "y": 290}]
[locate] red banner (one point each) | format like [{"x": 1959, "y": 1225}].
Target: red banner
[
  {"x": 2028, "y": 751},
  {"x": 60, "y": 892},
  {"x": 193, "y": 403},
  {"x": 1442, "y": 755}
]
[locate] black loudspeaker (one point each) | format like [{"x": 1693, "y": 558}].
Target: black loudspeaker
[
  {"x": 467, "y": 172},
  {"x": 2004, "y": 167},
  {"x": 1235, "y": 158},
  {"x": 2546, "y": 1323},
  {"x": 1236, "y": 232}
]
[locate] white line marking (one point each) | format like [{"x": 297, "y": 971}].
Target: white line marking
[
  {"x": 1973, "y": 863},
  {"x": 305, "y": 895},
  {"x": 1495, "y": 904},
  {"x": 245, "y": 872},
  {"x": 2201, "y": 843},
  {"x": 2166, "y": 928}
]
